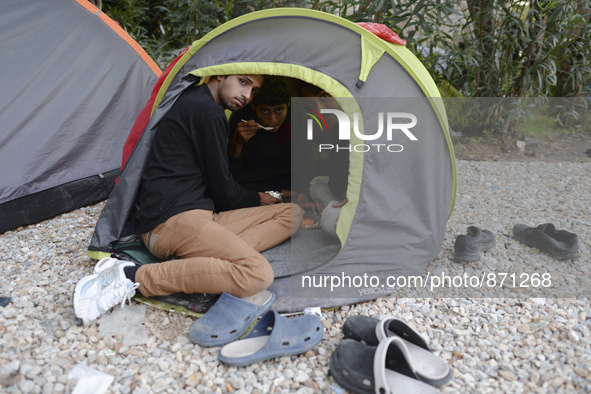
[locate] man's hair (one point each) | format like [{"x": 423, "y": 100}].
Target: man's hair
[{"x": 274, "y": 91}]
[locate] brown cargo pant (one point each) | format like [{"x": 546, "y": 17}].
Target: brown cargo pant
[{"x": 217, "y": 251}]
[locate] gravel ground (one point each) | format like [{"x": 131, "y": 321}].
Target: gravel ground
[{"x": 520, "y": 341}]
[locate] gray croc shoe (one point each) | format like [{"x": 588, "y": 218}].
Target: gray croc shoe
[
  {"x": 427, "y": 366},
  {"x": 386, "y": 368},
  {"x": 469, "y": 246},
  {"x": 274, "y": 336},
  {"x": 560, "y": 244},
  {"x": 229, "y": 318}
]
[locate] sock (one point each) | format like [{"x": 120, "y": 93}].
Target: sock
[{"x": 130, "y": 272}]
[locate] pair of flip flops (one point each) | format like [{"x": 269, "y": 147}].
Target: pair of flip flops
[
  {"x": 272, "y": 336},
  {"x": 386, "y": 356}
]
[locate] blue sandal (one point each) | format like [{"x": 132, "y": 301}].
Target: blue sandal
[
  {"x": 274, "y": 336},
  {"x": 229, "y": 318}
]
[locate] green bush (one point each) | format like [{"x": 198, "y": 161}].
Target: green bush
[
  {"x": 479, "y": 48},
  {"x": 165, "y": 27}
]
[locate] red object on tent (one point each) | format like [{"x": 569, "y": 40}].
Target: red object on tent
[
  {"x": 144, "y": 116},
  {"x": 383, "y": 31}
]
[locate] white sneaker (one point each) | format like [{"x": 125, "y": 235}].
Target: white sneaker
[
  {"x": 104, "y": 263},
  {"x": 96, "y": 294}
]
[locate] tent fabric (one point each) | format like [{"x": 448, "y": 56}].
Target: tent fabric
[
  {"x": 398, "y": 205},
  {"x": 72, "y": 83},
  {"x": 370, "y": 54},
  {"x": 144, "y": 116}
]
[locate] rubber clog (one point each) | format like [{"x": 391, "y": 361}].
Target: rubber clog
[
  {"x": 429, "y": 368},
  {"x": 274, "y": 336},
  {"x": 229, "y": 318},
  {"x": 386, "y": 368}
]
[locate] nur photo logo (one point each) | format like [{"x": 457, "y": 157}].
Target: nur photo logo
[{"x": 392, "y": 124}]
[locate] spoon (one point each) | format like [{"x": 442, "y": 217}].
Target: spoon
[{"x": 262, "y": 127}]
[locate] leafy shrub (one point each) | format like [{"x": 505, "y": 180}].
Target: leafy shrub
[{"x": 479, "y": 48}]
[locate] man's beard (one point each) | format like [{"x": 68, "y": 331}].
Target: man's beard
[
  {"x": 228, "y": 104},
  {"x": 231, "y": 106}
]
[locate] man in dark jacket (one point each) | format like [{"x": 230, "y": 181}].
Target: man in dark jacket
[{"x": 190, "y": 207}]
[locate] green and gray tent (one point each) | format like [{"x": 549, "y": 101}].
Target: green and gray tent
[{"x": 398, "y": 202}]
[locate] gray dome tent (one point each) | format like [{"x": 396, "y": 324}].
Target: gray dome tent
[
  {"x": 72, "y": 81},
  {"x": 398, "y": 204}
]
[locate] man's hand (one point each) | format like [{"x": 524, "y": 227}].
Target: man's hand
[
  {"x": 304, "y": 202},
  {"x": 267, "y": 199},
  {"x": 340, "y": 203},
  {"x": 244, "y": 132}
]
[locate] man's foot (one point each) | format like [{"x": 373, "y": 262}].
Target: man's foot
[{"x": 96, "y": 294}]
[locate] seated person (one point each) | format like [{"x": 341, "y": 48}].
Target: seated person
[
  {"x": 191, "y": 207},
  {"x": 328, "y": 186},
  {"x": 260, "y": 159}
]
